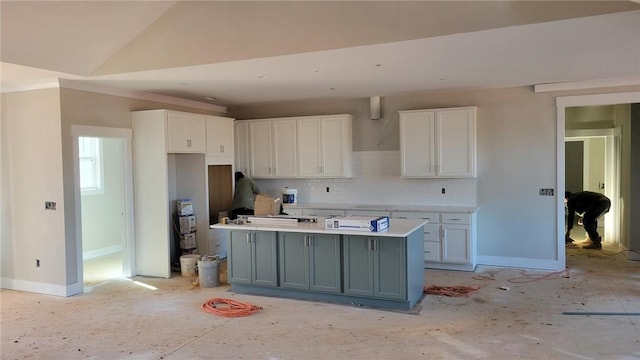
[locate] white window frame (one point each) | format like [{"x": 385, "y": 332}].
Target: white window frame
[{"x": 91, "y": 149}]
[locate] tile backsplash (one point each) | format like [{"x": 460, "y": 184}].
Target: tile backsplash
[{"x": 376, "y": 180}]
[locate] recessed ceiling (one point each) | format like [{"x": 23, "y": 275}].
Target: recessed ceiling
[{"x": 231, "y": 53}]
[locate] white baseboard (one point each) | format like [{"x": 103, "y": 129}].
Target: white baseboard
[
  {"x": 42, "y": 288},
  {"x": 520, "y": 263},
  {"x": 86, "y": 255}
]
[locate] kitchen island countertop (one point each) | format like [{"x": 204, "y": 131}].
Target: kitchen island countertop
[{"x": 397, "y": 228}]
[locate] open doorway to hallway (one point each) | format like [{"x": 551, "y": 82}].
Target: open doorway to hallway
[
  {"x": 103, "y": 208},
  {"x": 104, "y": 204},
  {"x": 586, "y": 161}
]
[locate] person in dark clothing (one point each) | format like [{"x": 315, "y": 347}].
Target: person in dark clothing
[
  {"x": 244, "y": 196},
  {"x": 590, "y": 205}
]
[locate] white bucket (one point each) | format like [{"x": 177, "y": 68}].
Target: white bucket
[
  {"x": 289, "y": 196},
  {"x": 188, "y": 264}
]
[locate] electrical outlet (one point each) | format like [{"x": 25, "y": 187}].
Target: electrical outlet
[
  {"x": 49, "y": 205},
  {"x": 444, "y": 191},
  {"x": 37, "y": 262},
  {"x": 327, "y": 189},
  {"x": 546, "y": 192}
]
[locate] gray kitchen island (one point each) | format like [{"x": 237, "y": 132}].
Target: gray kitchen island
[{"x": 306, "y": 261}]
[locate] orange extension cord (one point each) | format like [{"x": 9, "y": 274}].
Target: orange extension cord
[{"x": 229, "y": 308}]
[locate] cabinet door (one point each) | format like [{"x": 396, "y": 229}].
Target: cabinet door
[
  {"x": 293, "y": 260},
  {"x": 358, "y": 265},
  {"x": 242, "y": 147},
  {"x": 309, "y": 148},
  {"x": 239, "y": 248},
  {"x": 260, "y": 149},
  {"x": 336, "y": 134},
  {"x": 219, "y": 136},
  {"x": 284, "y": 148},
  {"x": 456, "y": 247},
  {"x": 389, "y": 265},
  {"x": 324, "y": 262},
  {"x": 264, "y": 258},
  {"x": 185, "y": 133},
  {"x": 455, "y": 140},
  {"x": 417, "y": 145}
]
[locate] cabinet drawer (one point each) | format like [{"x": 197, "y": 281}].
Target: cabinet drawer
[
  {"x": 432, "y": 251},
  {"x": 432, "y": 217},
  {"x": 456, "y": 218},
  {"x": 432, "y": 232}
]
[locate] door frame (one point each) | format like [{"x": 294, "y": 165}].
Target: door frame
[
  {"x": 613, "y": 163},
  {"x": 563, "y": 102},
  {"x": 77, "y": 131}
]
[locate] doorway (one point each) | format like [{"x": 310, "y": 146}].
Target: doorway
[
  {"x": 104, "y": 205},
  {"x": 622, "y": 224},
  {"x": 591, "y": 161}
]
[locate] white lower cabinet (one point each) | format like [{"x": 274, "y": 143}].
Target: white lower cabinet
[{"x": 449, "y": 239}]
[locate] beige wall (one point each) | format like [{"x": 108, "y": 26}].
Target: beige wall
[
  {"x": 32, "y": 174},
  {"x": 37, "y": 166}
]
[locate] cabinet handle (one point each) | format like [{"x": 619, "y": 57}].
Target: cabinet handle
[
  {"x": 310, "y": 240},
  {"x": 248, "y": 238},
  {"x": 375, "y": 244},
  {"x": 454, "y": 219}
]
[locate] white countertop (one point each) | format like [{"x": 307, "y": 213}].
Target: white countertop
[
  {"x": 383, "y": 207},
  {"x": 397, "y": 228}
]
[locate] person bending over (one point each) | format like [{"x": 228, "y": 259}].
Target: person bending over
[
  {"x": 244, "y": 196},
  {"x": 591, "y": 205}
]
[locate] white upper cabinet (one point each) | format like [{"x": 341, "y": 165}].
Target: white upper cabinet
[
  {"x": 272, "y": 148},
  {"x": 185, "y": 132},
  {"x": 284, "y": 148},
  {"x": 438, "y": 142},
  {"x": 220, "y": 137},
  {"x": 294, "y": 147},
  {"x": 242, "y": 147},
  {"x": 260, "y": 149},
  {"x": 324, "y": 146}
]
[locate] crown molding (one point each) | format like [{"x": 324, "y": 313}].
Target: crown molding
[
  {"x": 84, "y": 86},
  {"x": 588, "y": 84}
]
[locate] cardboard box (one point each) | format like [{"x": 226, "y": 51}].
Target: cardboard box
[
  {"x": 360, "y": 223},
  {"x": 186, "y": 224},
  {"x": 184, "y": 207},
  {"x": 188, "y": 241},
  {"x": 266, "y": 205}
]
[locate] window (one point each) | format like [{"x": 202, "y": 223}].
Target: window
[{"x": 91, "y": 169}]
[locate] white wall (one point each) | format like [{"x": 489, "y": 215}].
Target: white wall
[
  {"x": 376, "y": 181},
  {"x": 32, "y": 174},
  {"x": 37, "y": 166}
]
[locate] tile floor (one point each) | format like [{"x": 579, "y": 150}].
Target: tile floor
[{"x": 151, "y": 318}]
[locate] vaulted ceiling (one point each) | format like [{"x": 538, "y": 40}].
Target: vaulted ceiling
[{"x": 246, "y": 52}]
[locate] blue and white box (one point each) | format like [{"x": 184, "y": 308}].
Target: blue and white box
[{"x": 358, "y": 223}]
